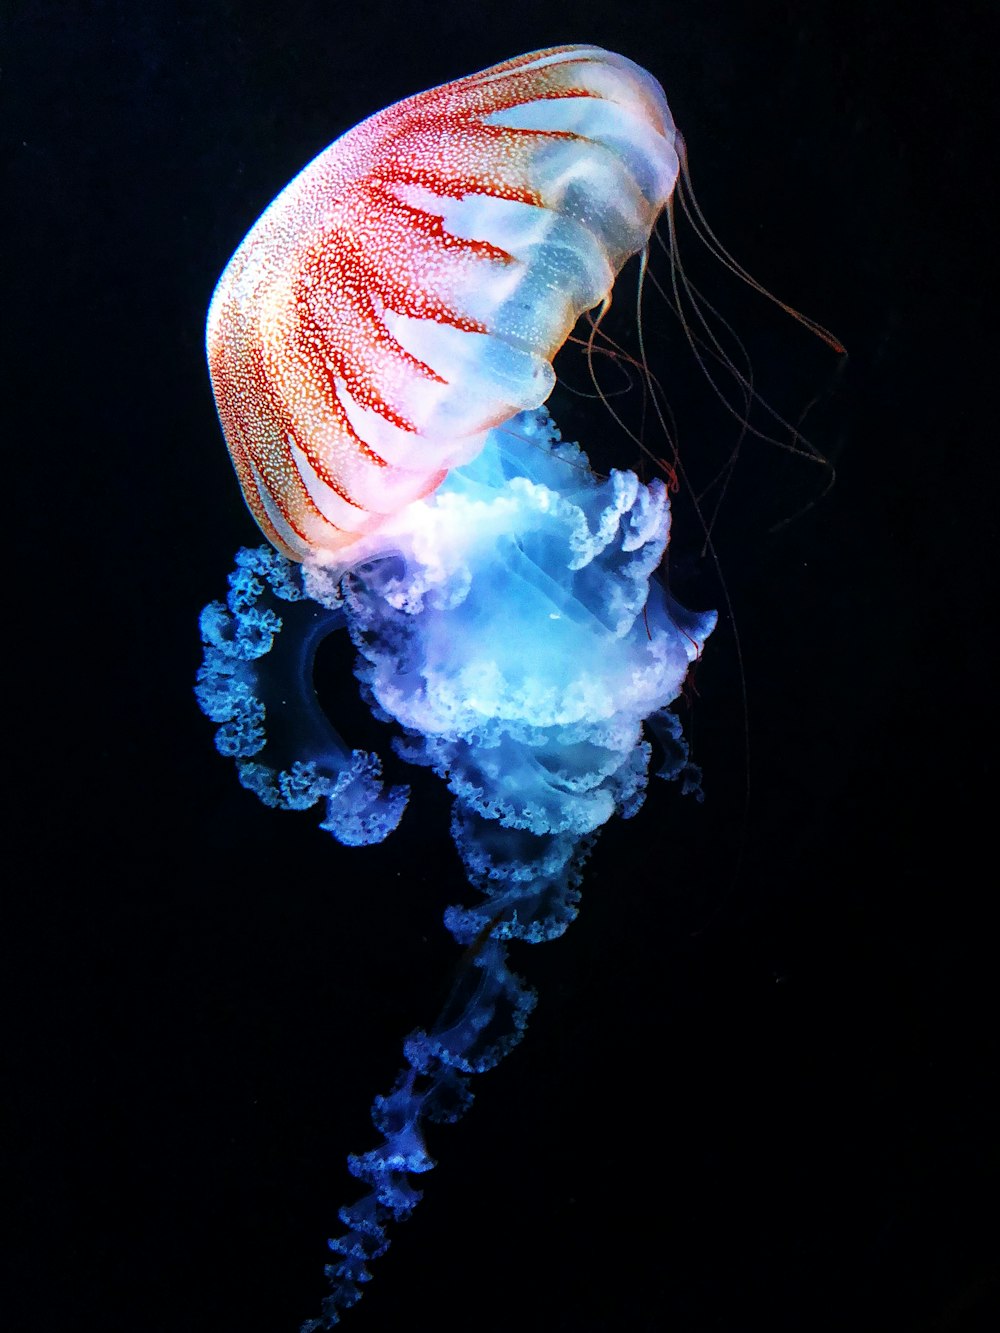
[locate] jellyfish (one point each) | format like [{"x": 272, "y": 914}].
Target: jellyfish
[{"x": 380, "y": 349}]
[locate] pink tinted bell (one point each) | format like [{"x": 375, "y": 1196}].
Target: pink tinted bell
[{"x": 408, "y": 290}]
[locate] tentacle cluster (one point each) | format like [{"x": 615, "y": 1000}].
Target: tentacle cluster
[{"x": 512, "y": 629}]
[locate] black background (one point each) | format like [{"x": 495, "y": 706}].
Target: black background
[{"x": 757, "y": 1090}]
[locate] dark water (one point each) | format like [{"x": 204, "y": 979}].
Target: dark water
[{"x": 757, "y": 1093}]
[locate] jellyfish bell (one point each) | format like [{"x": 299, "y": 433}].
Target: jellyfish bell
[{"x": 406, "y": 293}]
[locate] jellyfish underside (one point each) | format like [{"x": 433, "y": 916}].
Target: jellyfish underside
[{"x": 523, "y": 655}]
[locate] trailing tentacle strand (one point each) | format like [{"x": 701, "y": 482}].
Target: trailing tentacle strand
[{"x": 519, "y": 639}]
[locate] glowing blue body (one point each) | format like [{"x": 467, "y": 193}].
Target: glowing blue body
[{"x": 518, "y": 636}]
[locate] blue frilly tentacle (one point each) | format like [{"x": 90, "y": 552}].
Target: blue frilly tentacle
[
  {"x": 512, "y": 627},
  {"x": 256, "y": 682}
]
